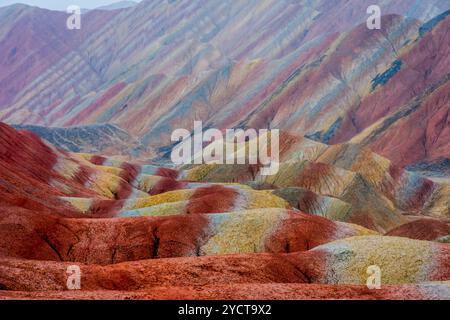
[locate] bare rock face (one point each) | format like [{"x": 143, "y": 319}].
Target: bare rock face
[
  {"x": 134, "y": 229},
  {"x": 245, "y": 291},
  {"x": 39, "y": 236},
  {"x": 97, "y": 139},
  {"x": 313, "y": 83},
  {"x": 423, "y": 229},
  {"x": 274, "y": 272},
  {"x": 364, "y": 151}
]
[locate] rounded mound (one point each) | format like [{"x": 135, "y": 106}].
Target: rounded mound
[{"x": 423, "y": 229}]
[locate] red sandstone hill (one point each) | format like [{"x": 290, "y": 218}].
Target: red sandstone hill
[
  {"x": 423, "y": 229},
  {"x": 364, "y": 151},
  {"x": 151, "y": 247}
]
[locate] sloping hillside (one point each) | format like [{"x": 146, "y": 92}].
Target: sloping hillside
[
  {"x": 310, "y": 68},
  {"x": 122, "y": 222}
]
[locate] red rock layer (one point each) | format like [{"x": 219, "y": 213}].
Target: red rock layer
[
  {"x": 214, "y": 199},
  {"x": 42, "y": 236},
  {"x": 279, "y": 270},
  {"x": 166, "y": 185},
  {"x": 301, "y": 232},
  {"x": 403, "y": 141},
  {"x": 27, "y": 174},
  {"x": 423, "y": 229},
  {"x": 242, "y": 291}
]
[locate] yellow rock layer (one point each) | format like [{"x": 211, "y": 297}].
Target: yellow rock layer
[{"x": 400, "y": 260}]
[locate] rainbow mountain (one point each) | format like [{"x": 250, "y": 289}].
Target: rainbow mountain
[
  {"x": 86, "y": 118},
  {"x": 309, "y": 68}
]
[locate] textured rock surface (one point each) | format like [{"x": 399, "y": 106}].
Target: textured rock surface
[
  {"x": 272, "y": 270},
  {"x": 347, "y": 261},
  {"x": 121, "y": 222},
  {"x": 248, "y": 292},
  {"x": 300, "y": 71},
  {"x": 364, "y": 151},
  {"x": 423, "y": 229},
  {"x": 29, "y": 235},
  {"x": 100, "y": 139}
]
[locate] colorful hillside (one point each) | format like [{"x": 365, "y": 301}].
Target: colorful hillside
[
  {"x": 311, "y": 68},
  {"x": 122, "y": 222},
  {"x": 357, "y": 208}
]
